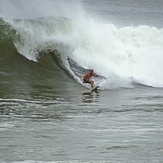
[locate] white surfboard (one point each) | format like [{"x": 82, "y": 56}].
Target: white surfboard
[{"x": 95, "y": 88}]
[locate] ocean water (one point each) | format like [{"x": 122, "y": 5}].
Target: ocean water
[{"x": 47, "y": 115}]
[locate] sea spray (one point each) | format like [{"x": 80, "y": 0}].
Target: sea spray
[{"x": 133, "y": 54}]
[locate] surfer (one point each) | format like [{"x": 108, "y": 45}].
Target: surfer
[{"x": 87, "y": 78}]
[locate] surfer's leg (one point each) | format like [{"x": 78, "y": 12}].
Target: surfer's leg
[{"x": 92, "y": 83}]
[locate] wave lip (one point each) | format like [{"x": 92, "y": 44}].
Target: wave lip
[{"x": 32, "y": 36}]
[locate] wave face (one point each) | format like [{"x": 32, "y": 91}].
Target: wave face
[{"x": 123, "y": 56}]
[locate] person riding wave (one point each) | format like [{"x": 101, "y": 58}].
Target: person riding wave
[{"x": 87, "y": 78}]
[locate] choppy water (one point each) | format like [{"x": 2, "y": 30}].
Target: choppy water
[{"x": 47, "y": 115}]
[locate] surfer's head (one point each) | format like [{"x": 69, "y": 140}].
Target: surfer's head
[{"x": 91, "y": 70}]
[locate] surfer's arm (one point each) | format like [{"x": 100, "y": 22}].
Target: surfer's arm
[{"x": 96, "y": 75}]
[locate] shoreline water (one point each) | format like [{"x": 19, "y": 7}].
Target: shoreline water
[{"x": 123, "y": 122}]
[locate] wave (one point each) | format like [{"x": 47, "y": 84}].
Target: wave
[{"x": 122, "y": 55}]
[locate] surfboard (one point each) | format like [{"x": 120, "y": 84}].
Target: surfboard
[{"x": 95, "y": 88}]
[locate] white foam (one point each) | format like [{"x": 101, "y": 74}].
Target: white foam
[{"x": 125, "y": 55}]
